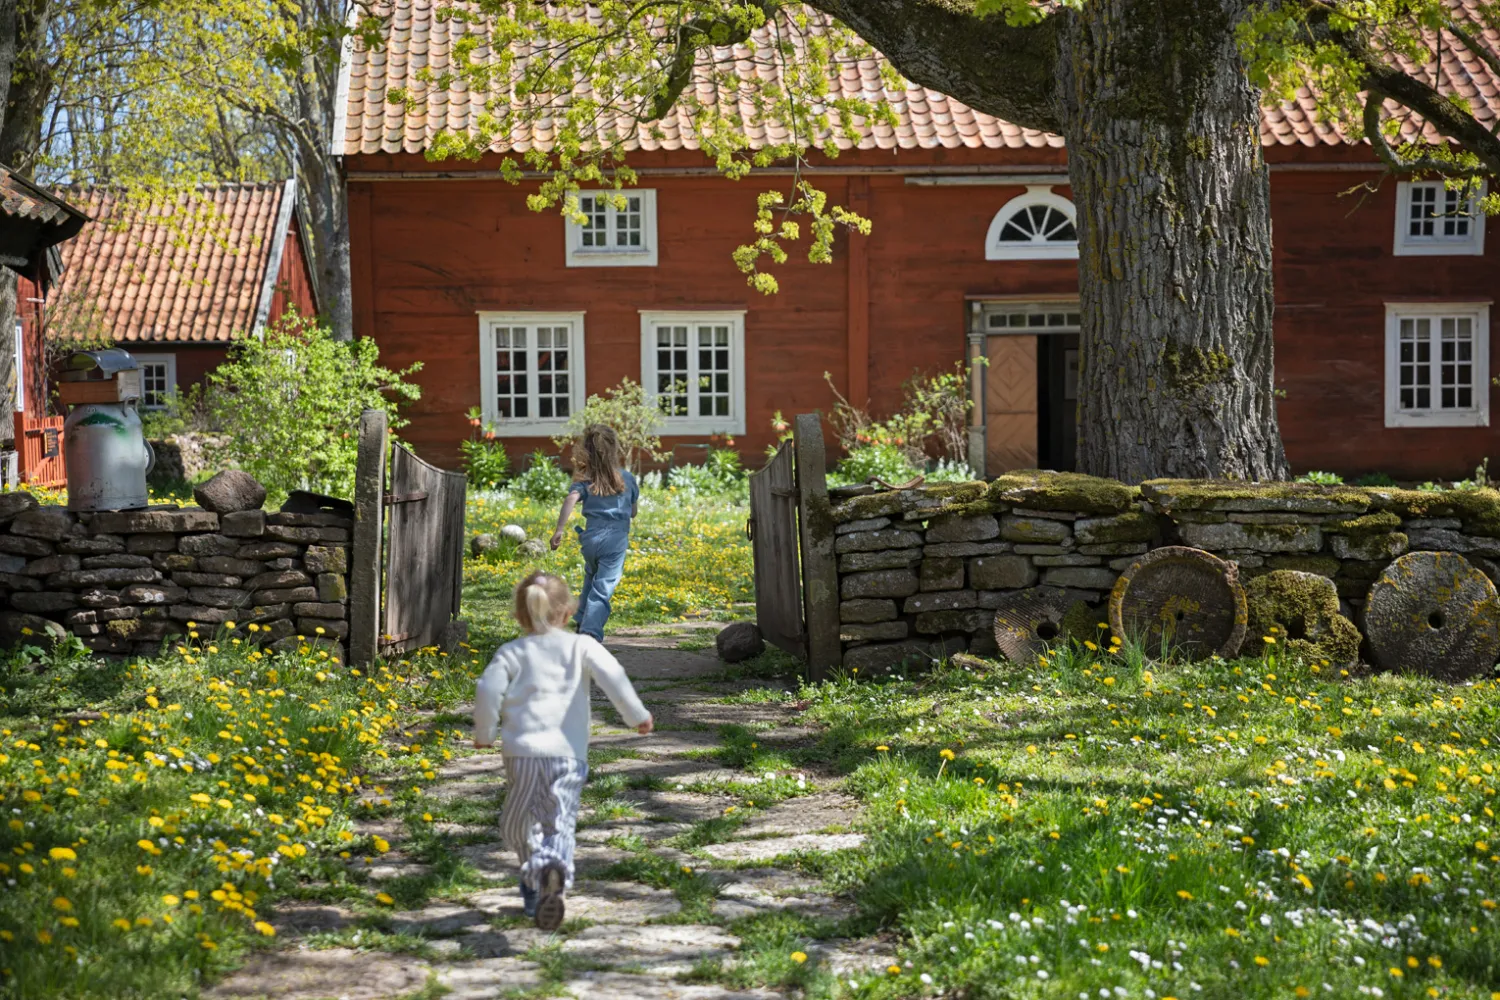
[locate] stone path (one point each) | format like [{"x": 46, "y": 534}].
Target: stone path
[{"x": 671, "y": 854}]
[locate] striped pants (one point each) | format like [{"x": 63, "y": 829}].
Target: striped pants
[{"x": 541, "y": 812}]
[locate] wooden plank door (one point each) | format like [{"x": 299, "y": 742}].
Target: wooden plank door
[
  {"x": 774, "y": 541},
  {"x": 1010, "y": 404},
  {"x": 424, "y": 552}
]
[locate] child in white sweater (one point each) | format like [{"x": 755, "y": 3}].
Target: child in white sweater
[{"x": 537, "y": 689}]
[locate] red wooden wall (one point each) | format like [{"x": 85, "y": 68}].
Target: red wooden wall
[{"x": 294, "y": 282}]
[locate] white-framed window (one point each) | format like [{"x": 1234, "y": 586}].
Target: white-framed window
[
  {"x": 20, "y": 348},
  {"x": 618, "y": 229},
  {"x": 1031, "y": 317},
  {"x": 1037, "y": 225},
  {"x": 1437, "y": 365},
  {"x": 531, "y": 371},
  {"x": 158, "y": 379},
  {"x": 693, "y": 363},
  {"x": 1433, "y": 220}
]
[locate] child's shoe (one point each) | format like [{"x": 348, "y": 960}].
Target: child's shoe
[
  {"x": 549, "y": 904},
  {"x": 528, "y": 900}
]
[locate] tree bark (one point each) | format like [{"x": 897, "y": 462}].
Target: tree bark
[
  {"x": 325, "y": 195},
  {"x": 1174, "y": 226}
]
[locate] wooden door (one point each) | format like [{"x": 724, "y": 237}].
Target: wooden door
[
  {"x": 1010, "y": 404},
  {"x": 774, "y": 541},
  {"x": 424, "y": 554}
]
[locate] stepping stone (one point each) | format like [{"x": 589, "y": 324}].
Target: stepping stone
[
  {"x": 462, "y": 830},
  {"x": 475, "y": 791},
  {"x": 845, "y": 957},
  {"x": 292, "y": 918},
  {"x": 491, "y": 859},
  {"x": 764, "y": 850},
  {"x": 317, "y": 975},
  {"x": 659, "y": 742},
  {"x": 512, "y": 942},
  {"x": 646, "y": 830},
  {"x": 620, "y": 902},
  {"x": 437, "y": 920},
  {"x": 591, "y": 858},
  {"x": 753, "y": 891},
  {"x": 621, "y": 986},
  {"x": 487, "y": 978},
  {"x": 806, "y": 814},
  {"x": 682, "y": 807},
  {"x": 644, "y": 659},
  {"x": 673, "y": 771},
  {"x": 384, "y": 871},
  {"x": 659, "y": 949}
]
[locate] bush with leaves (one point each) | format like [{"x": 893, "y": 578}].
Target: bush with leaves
[
  {"x": 884, "y": 461},
  {"x": 933, "y": 418},
  {"x": 633, "y": 414},
  {"x": 543, "y": 480},
  {"x": 484, "y": 458},
  {"x": 289, "y": 404}
]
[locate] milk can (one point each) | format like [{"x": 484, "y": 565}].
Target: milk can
[{"x": 107, "y": 455}]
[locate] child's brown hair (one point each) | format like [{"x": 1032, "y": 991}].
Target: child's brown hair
[
  {"x": 597, "y": 458},
  {"x": 543, "y": 602}
]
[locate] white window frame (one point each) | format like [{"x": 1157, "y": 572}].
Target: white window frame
[
  {"x": 1479, "y": 414},
  {"x": 579, "y": 256},
  {"x": 488, "y": 371},
  {"x": 170, "y": 360},
  {"x": 20, "y": 362},
  {"x": 1437, "y": 246},
  {"x": 696, "y": 425},
  {"x": 1036, "y": 194}
]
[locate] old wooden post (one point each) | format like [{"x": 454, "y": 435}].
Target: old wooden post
[
  {"x": 369, "y": 524},
  {"x": 820, "y": 578}
]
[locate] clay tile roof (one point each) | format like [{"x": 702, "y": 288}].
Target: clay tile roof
[
  {"x": 189, "y": 270},
  {"x": 926, "y": 119}
]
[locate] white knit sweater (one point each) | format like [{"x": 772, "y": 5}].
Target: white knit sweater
[{"x": 537, "y": 688}]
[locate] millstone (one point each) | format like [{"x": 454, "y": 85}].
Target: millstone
[
  {"x": 1301, "y": 610},
  {"x": 1028, "y": 621},
  {"x": 1181, "y": 599},
  {"x": 1433, "y": 613}
]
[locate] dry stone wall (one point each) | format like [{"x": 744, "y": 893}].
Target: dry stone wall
[
  {"x": 125, "y": 581},
  {"x": 921, "y": 571}
]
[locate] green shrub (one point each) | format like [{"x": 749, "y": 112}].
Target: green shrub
[
  {"x": 289, "y": 403},
  {"x": 885, "y": 461},
  {"x": 543, "y": 480},
  {"x": 633, "y": 414},
  {"x": 1375, "y": 479},
  {"x": 485, "y": 463},
  {"x": 1321, "y": 478}
]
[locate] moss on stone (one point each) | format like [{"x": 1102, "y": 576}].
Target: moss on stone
[
  {"x": 937, "y": 498},
  {"x": 1072, "y": 492},
  {"x": 1082, "y": 622},
  {"x": 1481, "y": 506},
  {"x": 820, "y": 518},
  {"x": 1358, "y": 529},
  {"x": 1301, "y": 611},
  {"x": 1131, "y": 526},
  {"x": 1272, "y": 533},
  {"x": 1321, "y": 565},
  {"x": 1207, "y": 494}
]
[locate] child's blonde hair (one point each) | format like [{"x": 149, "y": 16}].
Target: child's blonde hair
[
  {"x": 596, "y": 458},
  {"x": 543, "y": 602}
]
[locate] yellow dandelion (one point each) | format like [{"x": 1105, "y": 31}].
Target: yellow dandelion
[{"x": 799, "y": 957}]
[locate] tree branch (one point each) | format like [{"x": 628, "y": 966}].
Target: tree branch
[{"x": 691, "y": 36}]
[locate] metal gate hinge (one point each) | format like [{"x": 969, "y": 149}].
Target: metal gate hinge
[{"x": 406, "y": 497}]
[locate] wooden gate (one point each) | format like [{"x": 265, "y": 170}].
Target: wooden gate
[
  {"x": 424, "y": 553},
  {"x": 774, "y": 540}
]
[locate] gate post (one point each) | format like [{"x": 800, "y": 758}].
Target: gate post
[
  {"x": 820, "y": 578},
  {"x": 369, "y": 524}
]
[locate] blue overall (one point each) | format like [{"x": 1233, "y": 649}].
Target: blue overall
[{"x": 604, "y": 540}]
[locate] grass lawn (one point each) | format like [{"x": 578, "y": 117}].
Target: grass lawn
[{"x": 1092, "y": 826}]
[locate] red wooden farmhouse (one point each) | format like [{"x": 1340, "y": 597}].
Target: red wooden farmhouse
[{"x": 1383, "y": 288}]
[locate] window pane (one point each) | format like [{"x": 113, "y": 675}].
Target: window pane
[
  {"x": 713, "y": 371},
  {"x": 672, "y": 370},
  {"x": 595, "y": 211},
  {"x": 510, "y": 367}
]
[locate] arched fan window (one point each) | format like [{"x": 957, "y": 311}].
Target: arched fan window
[{"x": 1037, "y": 225}]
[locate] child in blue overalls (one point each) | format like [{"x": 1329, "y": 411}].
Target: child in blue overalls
[{"x": 609, "y": 495}]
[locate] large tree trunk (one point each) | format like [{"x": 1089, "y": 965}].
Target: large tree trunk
[
  {"x": 1174, "y": 228},
  {"x": 325, "y": 195}
]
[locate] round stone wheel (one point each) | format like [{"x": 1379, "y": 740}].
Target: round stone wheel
[
  {"x": 1027, "y": 622},
  {"x": 1184, "y": 601},
  {"x": 1433, "y": 613}
]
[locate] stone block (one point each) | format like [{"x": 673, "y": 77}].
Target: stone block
[
  {"x": 1383, "y": 546},
  {"x": 153, "y": 593},
  {"x": 1121, "y": 564},
  {"x": 14, "y": 504},
  {"x": 1071, "y": 559},
  {"x": 288, "y": 596},
  {"x": 855, "y": 562},
  {"x": 231, "y": 491},
  {"x": 878, "y": 657},
  {"x": 94, "y": 545},
  {"x": 209, "y": 545},
  {"x": 50, "y": 523},
  {"x": 267, "y": 612},
  {"x": 1007, "y": 572},
  {"x": 275, "y": 631},
  {"x": 107, "y": 643},
  {"x": 155, "y": 629},
  {"x": 1084, "y": 578},
  {"x": 1443, "y": 539},
  {"x": 219, "y": 597},
  {"x": 173, "y": 562},
  {"x": 1043, "y": 550},
  {"x": 278, "y": 580},
  {"x": 1277, "y": 518},
  {"x": 11, "y": 564},
  {"x": 243, "y": 524},
  {"x": 1321, "y": 565},
  {"x": 867, "y": 610},
  {"x": 200, "y": 615},
  {"x": 963, "y": 529},
  {"x": 48, "y": 565},
  {"x": 15, "y": 581},
  {"x": 118, "y": 560},
  {"x": 120, "y": 613},
  {"x": 1015, "y": 528},
  {"x": 874, "y": 632},
  {"x": 309, "y": 627},
  {"x": 949, "y": 600},
  {"x": 135, "y": 522},
  {"x": 282, "y": 564},
  {"x": 147, "y": 544},
  {"x": 268, "y": 550},
  {"x": 1448, "y": 523},
  {"x": 735, "y": 643},
  {"x": 878, "y": 583},
  {"x": 322, "y": 519},
  {"x": 1302, "y": 498},
  {"x": 939, "y": 622},
  {"x": 966, "y": 549},
  {"x": 230, "y": 566},
  {"x": 79, "y": 616},
  {"x": 868, "y": 524},
  {"x": 98, "y": 597},
  {"x": 78, "y": 579},
  {"x": 941, "y": 574},
  {"x": 877, "y": 541},
  {"x": 326, "y": 559},
  {"x": 332, "y": 588},
  {"x": 1265, "y": 538},
  {"x": 319, "y": 609},
  {"x": 1114, "y": 549},
  {"x": 44, "y": 602},
  {"x": 306, "y": 536},
  {"x": 33, "y": 548},
  {"x": 186, "y": 579},
  {"x": 1131, "y": 526}
]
